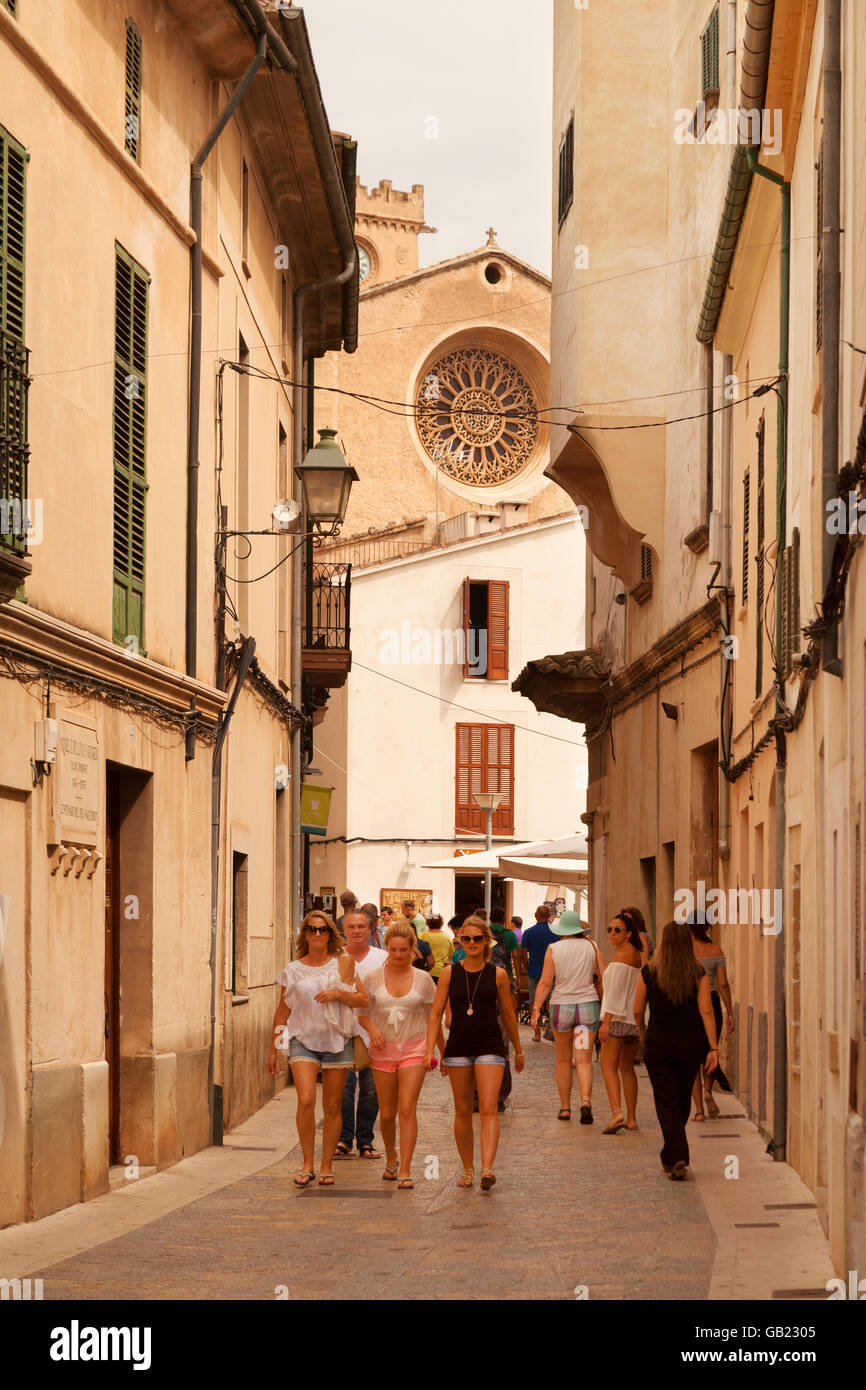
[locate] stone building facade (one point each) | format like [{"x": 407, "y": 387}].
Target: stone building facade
[{"x": 140, "y": 933}]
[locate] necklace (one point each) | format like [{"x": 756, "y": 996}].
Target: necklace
[{"x": 469, "y": 1009}]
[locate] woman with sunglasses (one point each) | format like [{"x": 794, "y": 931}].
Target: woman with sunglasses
[
  {"x": 474, "y": 1057},
  {"x": 314, "y": 1021},
  {"x": 618, "y": 1034}
]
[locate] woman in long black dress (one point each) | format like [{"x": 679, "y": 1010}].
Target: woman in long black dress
[
  {"x": 474, "y": 1054},
  {"x": 677, "y": 989}
]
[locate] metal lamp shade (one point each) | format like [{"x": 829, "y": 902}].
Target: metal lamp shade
[{"x": 326, "y": 478}]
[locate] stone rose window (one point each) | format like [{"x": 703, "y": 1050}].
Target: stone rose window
[{"x": 477, "y": 416}]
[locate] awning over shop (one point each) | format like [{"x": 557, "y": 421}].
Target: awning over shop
[{"x": 567, "y": 872}]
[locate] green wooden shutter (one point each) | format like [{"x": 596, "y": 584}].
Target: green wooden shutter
[
  {"x": 11, "y": 5},
  {"x": 130, "y": 417},
  {"x": 747, "y": 487},
  {"x": 819, "y": 251},
  {"x": 759, "y": 560},
  {"x": 710, "y": 54},
  {"x": 14, "y": 378},
  {"x": 132, "y": 110}
]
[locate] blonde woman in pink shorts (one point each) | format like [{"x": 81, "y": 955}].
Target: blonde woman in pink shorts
[{"x": 400, "y": 1002}]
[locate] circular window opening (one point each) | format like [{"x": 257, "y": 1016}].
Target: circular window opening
[{"x": 492, "y": 274}]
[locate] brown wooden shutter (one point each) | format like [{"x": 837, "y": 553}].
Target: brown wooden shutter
[
  {"x": 469, "y": 777},
  {"x": 500, "y": 774},
  {"x": 497, "y": 631},
  {"x": 466, "y": 583}
]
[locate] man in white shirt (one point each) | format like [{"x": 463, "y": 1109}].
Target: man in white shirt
[{"x": 358, "y": 1123}]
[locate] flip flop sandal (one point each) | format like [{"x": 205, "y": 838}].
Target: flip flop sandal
[
  {"x": 343, "y": 1150},
  {"x": 586, "y": 1114},
  {"x": 389, "y": 1174},
  {"x": 487, "y": 1181},
  {"x": 614, "y": 1127},
  {"x": 564, "y": 1114},
  {"x": 303, "y": 1179},
  {"x": 405, "y": 1184},
  {"x": 326, "y": 1180},
  {"x": 368, "y": 1152}
]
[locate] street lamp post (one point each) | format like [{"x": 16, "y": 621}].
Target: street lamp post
[{"x": 488, "y": 802}]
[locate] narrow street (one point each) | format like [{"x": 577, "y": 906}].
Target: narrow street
[{"x": 573, "y": 1209}]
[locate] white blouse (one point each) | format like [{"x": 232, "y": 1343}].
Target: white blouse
[
  {"x": 619, "y": 982},
  {"x": 405, "y": 1019},
  {"x": 320, "y": 1027}
]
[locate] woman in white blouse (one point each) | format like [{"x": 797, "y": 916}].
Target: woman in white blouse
[
  {"x": 314, "y": 1022},
  {"x": 400, "y": 1001},
  {"x": 618, "y": 1034}
]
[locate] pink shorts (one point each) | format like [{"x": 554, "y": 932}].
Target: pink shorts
[{"x": 393, "y": 1056}]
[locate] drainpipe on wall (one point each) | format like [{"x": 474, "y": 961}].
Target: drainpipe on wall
[
  {"x": 195, "y": 351},
  {"x": 299, "y": 299},
  {"x": 831, "y": 289},
  {"x": 780, "y": 1077},
  {"x": 726, "y": 703},
  {"x": 215, "y": 1092}
]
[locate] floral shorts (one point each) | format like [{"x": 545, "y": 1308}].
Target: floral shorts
[{"x": 564, "y": 1018}]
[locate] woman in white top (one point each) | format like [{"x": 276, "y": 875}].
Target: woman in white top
[
  {"x": 314, "y": 1022},
  {"x": 618, "y": 1033},
  {"x": 577, "y": 964},
  {"x": 401, "y": 998}
]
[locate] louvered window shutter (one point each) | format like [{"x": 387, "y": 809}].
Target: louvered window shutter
[
  {"x": 710, "y": 54},
  {"x": 11, "y": 6},
  {"x": 132, "y": 106},
  {"x": 469, "y": 777},
  {"x": 130, "y": 416},
  {"x": 759, "y": 560},
  {"x": 500, "y": 774},
  {"x": 497, "y": 636},
  {"x": 14, "y": 379},
  {"x": 747, "y": 482},
  {"x": 466, "y": 643}
]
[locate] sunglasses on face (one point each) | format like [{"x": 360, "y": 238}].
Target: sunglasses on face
[
  {"x": 316, "y": 931},
  {"x": 472, "y": 940},
  {"x": 615, "y": 931}
]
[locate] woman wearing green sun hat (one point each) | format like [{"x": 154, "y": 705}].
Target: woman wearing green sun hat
[{"x": 577, "y": 966}]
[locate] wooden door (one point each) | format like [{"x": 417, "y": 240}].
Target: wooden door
[{"x": 112, "y": 953}]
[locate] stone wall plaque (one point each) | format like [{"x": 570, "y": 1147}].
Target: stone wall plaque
[{"x": 76, "y": 782}]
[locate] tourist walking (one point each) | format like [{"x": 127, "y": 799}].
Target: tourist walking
[
  {"x": 315, "y": 1021},
  {"x": 712, "y": 959},
  {"x": 474, "y": 1054},
  {"x": 618, "y": 1032},
  {"x": 516, "y": 925},
  {"x": 360, "y": 1104},
  {"x": 377, "y": 931},
  {"x": 400, "y": 1004},
  {"x": 348, "y": 902},
  {"x": 439, "y": 944},
  {"x": 578, "y": 968},
  {"x": 411, "y": 913},
  {"x": 536, "y": 940},
  {"x": 681, "y": 1023},
  {"x": 634, "y": 917}
]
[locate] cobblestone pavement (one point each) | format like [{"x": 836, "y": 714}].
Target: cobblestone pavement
[{"x": 572, "y": 1207}]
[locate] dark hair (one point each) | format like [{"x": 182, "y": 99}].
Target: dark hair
[
  {"x": 408, "y": 902},
  {"x": 370, "y": 911},
  {"x": 457, "y": 920},
  {"x": 676, "y": 970},
  {"x": 479, "y": 912},
  {"x": 542, "y": 913},
  {"x": 497, "y": 916},
  {"x": 518, "y": 921},
  {"x": 624, "y": 916},
  {"x": 388, "y": 908},
  {"x": 697, "y": 923},
  {"x": 347, "y": 898},
  {"x": 434, "y": 921},
  {"x": 636, "y": 915}
]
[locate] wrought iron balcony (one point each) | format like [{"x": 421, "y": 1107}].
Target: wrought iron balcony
[
  {"x": 327, "y": 656},
  {"x": 14, "y": 460}
]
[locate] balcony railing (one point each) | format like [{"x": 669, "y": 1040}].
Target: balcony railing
[
  {"x": 14, "y": 449},
  {"x": 329, "y": 591}
]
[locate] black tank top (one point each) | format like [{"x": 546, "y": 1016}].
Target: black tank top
[{"x": 475, "y": 1034}]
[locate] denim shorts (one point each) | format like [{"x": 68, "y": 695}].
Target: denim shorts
[
  {"x": 485, "y": 1059},
  {"x": 326, "y": 1060}
]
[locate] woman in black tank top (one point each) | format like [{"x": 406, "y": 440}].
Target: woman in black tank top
[{"x": 479, "y": 996}]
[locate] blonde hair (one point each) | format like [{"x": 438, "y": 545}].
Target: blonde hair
[
  {"x": 335, "y": 941},
  {"x": 476, "y": 921},
  {"x": 402, "y": 930}
]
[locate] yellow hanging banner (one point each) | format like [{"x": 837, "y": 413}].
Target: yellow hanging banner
[{"x": 315, "y": 806}]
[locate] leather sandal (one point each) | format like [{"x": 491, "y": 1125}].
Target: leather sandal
[
  {"x": 467, "y": 1178},
  {"x": 303, "y": 1179},
  {"x": 564, "y": 1114}
]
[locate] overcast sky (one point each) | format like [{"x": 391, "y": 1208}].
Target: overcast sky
[{"x": 390, "y": 69}]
